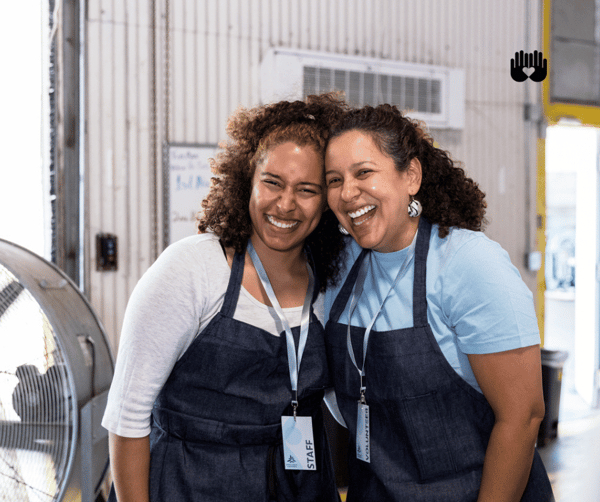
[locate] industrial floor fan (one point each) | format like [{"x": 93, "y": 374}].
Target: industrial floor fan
[{"x": 55, "y": 371}]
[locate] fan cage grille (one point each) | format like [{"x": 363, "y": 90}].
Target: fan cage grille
[{"x": 36, "y": 405}]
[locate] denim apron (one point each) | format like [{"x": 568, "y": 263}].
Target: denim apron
[
  {"x": 216, "y": 424},
  {"x": 429, "y": 428}
]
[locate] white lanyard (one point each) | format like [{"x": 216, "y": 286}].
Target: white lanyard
[
  {"x": 358, "y": 287},
  {"x": 293, "y": 359}
]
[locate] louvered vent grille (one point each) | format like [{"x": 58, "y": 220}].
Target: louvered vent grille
[
  {"x": 434, "y": 94},
  {"x": 368, "y": 88}
]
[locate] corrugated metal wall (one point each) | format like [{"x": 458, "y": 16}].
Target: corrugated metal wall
[
  {"x": 119, "y": 145},
  {"x": 147, "y": 85}
]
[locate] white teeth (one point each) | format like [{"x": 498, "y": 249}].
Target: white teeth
[
  {"x": 279, "y": 224},
  {"x": 361, "y": 211}
]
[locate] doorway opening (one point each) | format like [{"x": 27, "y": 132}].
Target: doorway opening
[{"x": 571, "y": 272}]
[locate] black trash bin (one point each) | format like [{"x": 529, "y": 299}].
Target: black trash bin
[{"x": 552, "y": 369}]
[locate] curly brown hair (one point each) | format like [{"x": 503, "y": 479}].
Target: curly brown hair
[
  {"x": 253, "y": 133},
  {"x": 448, "y": 196}
]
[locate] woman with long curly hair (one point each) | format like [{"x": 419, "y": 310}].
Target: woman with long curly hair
[
  {"x": 215, "y": 396},
  {"x": 431, "y": 331}
]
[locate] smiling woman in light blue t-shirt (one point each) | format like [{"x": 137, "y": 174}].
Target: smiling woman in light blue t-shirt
[
  {"x": 431, "y": 335},
  {"x": 465, "y": 271}
]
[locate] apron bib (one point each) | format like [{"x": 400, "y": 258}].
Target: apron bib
[
  {"x": 429, "y": 429},
  {"x": 216, "y": 424}
]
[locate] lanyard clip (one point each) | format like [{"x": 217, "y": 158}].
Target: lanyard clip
[
  {"x": 363, "y": 389},
  {"x": 294, "y": 407}
]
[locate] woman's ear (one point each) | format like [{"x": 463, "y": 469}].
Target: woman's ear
[{"x": 415, "y": 175}]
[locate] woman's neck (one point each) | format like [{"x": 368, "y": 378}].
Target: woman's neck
[
  {"x": 287, "y": 274},
  {"x": 277, "y": 263},
  {"x": 402, "y": 240}
]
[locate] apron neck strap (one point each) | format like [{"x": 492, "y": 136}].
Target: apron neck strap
[
  {"x": 420, "y": 275},
  {"x": 344, "y": 295},
  {"x": 235, "y": 283}
]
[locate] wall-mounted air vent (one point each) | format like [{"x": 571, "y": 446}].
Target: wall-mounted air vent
[{"x": 434, "y": 94}]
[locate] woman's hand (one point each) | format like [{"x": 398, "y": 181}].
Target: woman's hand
[
  {"x": 512, "y": 383},
  {"x": 130, "y": 467}
]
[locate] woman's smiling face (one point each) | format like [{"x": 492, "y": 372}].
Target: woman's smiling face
[
  {"x": 368, "y": 194},
  {"x": 288, "y": 196}
]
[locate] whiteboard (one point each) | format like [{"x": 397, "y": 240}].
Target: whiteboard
[{"x": 188, "y": 181}]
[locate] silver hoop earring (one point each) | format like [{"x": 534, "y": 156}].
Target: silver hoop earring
[
  {"x": 343, "y": 230},
  {"x": 414, "y": 208}
]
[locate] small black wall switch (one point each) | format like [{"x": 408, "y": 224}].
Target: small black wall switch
[{"x": 106, "y": 252}]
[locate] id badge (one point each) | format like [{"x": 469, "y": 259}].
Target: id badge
[
  {"x": 363, "y": 434},
  {"x": 298, "y": 444}
]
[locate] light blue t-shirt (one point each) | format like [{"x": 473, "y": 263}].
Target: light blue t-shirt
[{"x": 477, "y": 302}]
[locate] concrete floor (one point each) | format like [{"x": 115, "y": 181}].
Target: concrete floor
[{"x": 573, "y": 458}]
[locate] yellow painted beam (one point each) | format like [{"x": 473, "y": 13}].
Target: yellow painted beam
[{"x": 540, "y": 233}]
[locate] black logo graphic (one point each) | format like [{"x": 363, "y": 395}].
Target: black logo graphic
[
  {"x": 291, "y": 460},
  {"x": 528, "y": 60}
]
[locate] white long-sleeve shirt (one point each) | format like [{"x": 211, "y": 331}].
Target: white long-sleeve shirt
[{"x": 171, "y": 304}]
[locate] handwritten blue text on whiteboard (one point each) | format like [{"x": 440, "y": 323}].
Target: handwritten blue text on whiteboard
[{"x": 189, "y": 182}]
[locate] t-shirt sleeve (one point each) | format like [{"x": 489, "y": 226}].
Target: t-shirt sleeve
[
  {"x": 161, "y": 318},
  {"x": 485, "y": 300}
]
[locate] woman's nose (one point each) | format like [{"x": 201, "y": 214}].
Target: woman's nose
[
  {"x": 349, "y": 190},
  {"x": 287, "y": 201}
]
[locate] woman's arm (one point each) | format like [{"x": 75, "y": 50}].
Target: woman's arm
[
  {"x": 512, "y": 383},
  {"x": 130, "y": 467}
]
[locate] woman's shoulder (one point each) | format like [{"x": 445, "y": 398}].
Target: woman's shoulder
[
  {"x": 188, "y": 259},
  {"x": 465, "y": 259},
  {"x": 464, "y": 245},
  {"x": 201, "y": 242},
  {"x": 480, "y": 293},
  {"x": 193, "y": 248}
]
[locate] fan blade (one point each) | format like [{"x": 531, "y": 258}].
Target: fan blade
[{"x": 8, "y": 295}]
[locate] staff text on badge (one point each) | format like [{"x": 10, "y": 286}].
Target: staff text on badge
[{"x": 298, "y": 443}]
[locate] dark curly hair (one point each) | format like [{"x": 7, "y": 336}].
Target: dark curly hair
[
  {"x": 253, "y": 133},
  {"x": 449, "y": 198}
]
